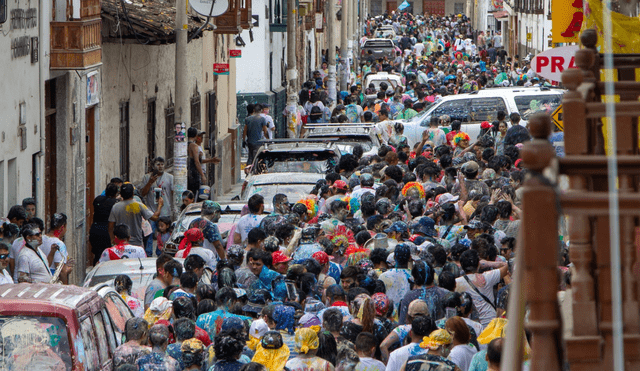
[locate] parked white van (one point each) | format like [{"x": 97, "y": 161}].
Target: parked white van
[{"x": 474, "y": 108}]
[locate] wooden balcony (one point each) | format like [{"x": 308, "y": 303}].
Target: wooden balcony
[
  {"x": 76, "y": 45},
  {"x": 245, "y": 15},
  {"x": 89, "y": 9},
  {"x": 229, "y": 22}
]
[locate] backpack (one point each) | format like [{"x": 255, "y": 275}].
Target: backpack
[{"x": 352, "y": 113}]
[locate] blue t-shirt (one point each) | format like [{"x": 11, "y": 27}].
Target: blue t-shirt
[{"x": 254, "y": 128}]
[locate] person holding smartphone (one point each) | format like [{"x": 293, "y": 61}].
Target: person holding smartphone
[{"x": 155, "y": 185}]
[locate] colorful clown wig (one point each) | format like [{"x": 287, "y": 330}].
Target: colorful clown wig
[
  {"x": 312, "y": 206},
  {"x": 411, "y": 185},
  {"x": 460, "y": 136}
]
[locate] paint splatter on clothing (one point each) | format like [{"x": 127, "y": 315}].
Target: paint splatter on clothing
[
  {"x": 309, "y": 364},
  {"x": 129, "y": 353},
  {"x": 158, "y": 362},
  {"x": 396, "y": 282},
  {"x": 212, "y": 322},
  {"x": 398, "y": 357},
  {"x": 227, "y": 366},
  {"x": 434, "y": 297},
  {"x": 430, "y": 362}
]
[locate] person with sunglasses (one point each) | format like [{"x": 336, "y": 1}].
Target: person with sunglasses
[
  {"x": 32, "y": 264},
  {"x": 5, "y": 277}
]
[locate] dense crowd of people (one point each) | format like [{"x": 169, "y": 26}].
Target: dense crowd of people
[{"x": 399, "y": 260}]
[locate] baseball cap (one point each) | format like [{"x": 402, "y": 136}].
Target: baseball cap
[
  {"x": 341, "y": 184},
  {"x": 321, "y": 257},
  {"x": 473, "y": 224},
  {"x": 418, "y": 307},
  {"x": 470, "y": 167},
  {"x": 258, "y": 328},
  {"x": 398, "y": 226},
  {"x": 447, "y": 197},
  {"x": 425, "y": 225},
  {"x": 279, "y": 257}
]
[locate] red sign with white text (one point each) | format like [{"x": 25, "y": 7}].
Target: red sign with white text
[
  {"x": 220, "y": 69},
  {"x": 235, "y": 53},
  {"x": 550, "y": 63}
]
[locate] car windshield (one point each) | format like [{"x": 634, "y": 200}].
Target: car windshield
[
  {"x": 294, "y": 192},
  {"x": 140, "y": 282},
  {"x": 34, "y": 343},
  {"x": 347, "y": 145},
  {"x": 183, "y": 223},
  {"x": 377, "y": 83},
  {"x": 530, "y": 104},
  {"x": 296, "y": 162}
]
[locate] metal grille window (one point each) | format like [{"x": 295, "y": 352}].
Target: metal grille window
[
  {"x": 169, "y": 119},
  {"x": 124, "y": 140},
  {"x": 458, "y": 8},
  {"x": 196, "y": 113},
  {"x": 151, "y": 130}
]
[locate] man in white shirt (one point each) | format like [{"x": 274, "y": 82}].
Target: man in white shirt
[
  {"x": 480, "y": 286},
  {"x": 31, "y": 263},
  {"x": 122, "y": 249},
  {"x": 421, "y": 326},
  {"x": 251, "y": 220},
  {"x": 271, "y": 126},
  {"x": 497, "y": 40}
]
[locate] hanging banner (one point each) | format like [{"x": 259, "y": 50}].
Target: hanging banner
[
  {"x": 624, "y": 32},
  {"x": 235, "y": 53},
  {"x": 566, "y": 20},
  {"x": 220, "y": 69}
]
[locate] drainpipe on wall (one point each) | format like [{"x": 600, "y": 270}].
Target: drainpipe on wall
[{"x": 39, "y": 167}]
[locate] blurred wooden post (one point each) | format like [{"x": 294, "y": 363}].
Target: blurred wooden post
[{"x": 539, "y": 243}]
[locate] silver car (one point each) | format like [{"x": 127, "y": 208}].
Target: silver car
[{"x": 141, "y": 272}]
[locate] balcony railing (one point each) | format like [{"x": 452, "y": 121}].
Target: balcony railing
[
  {"x": 278, "y": 15},
  {"x": 76, "y": 44}
]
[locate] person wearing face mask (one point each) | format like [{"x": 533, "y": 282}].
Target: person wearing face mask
[
  {"x": 5, "y": 277},
  {"x": 31, "y": 264}
]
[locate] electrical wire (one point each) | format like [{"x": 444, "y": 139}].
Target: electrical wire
[
  {"x": 126, "y": 16},
  {"x": 195, "y": 34}
]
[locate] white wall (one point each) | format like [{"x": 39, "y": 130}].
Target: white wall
[
  {"x": 539, "y": 27},
  {"x": 253, "y": 67},
  {"x": 20, "y": 85}
]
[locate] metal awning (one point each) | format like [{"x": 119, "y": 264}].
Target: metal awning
[{"x": 501, "y": 15}]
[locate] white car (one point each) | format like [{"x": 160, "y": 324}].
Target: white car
[
  {"x": 474, "y": 108},
  {"x": 141, "y": 272},
  {"x": 295, "y": 185},
  {"x": 392, "y": 79}
]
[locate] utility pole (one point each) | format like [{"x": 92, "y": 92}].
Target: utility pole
[
  {"x": 344, "y": 56},
  {"x": 292, "y": 73},
  {"x": 331, "y": 48},
  {"x": 181, "y": 108},
  {"x": 349, "y": 4}
]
